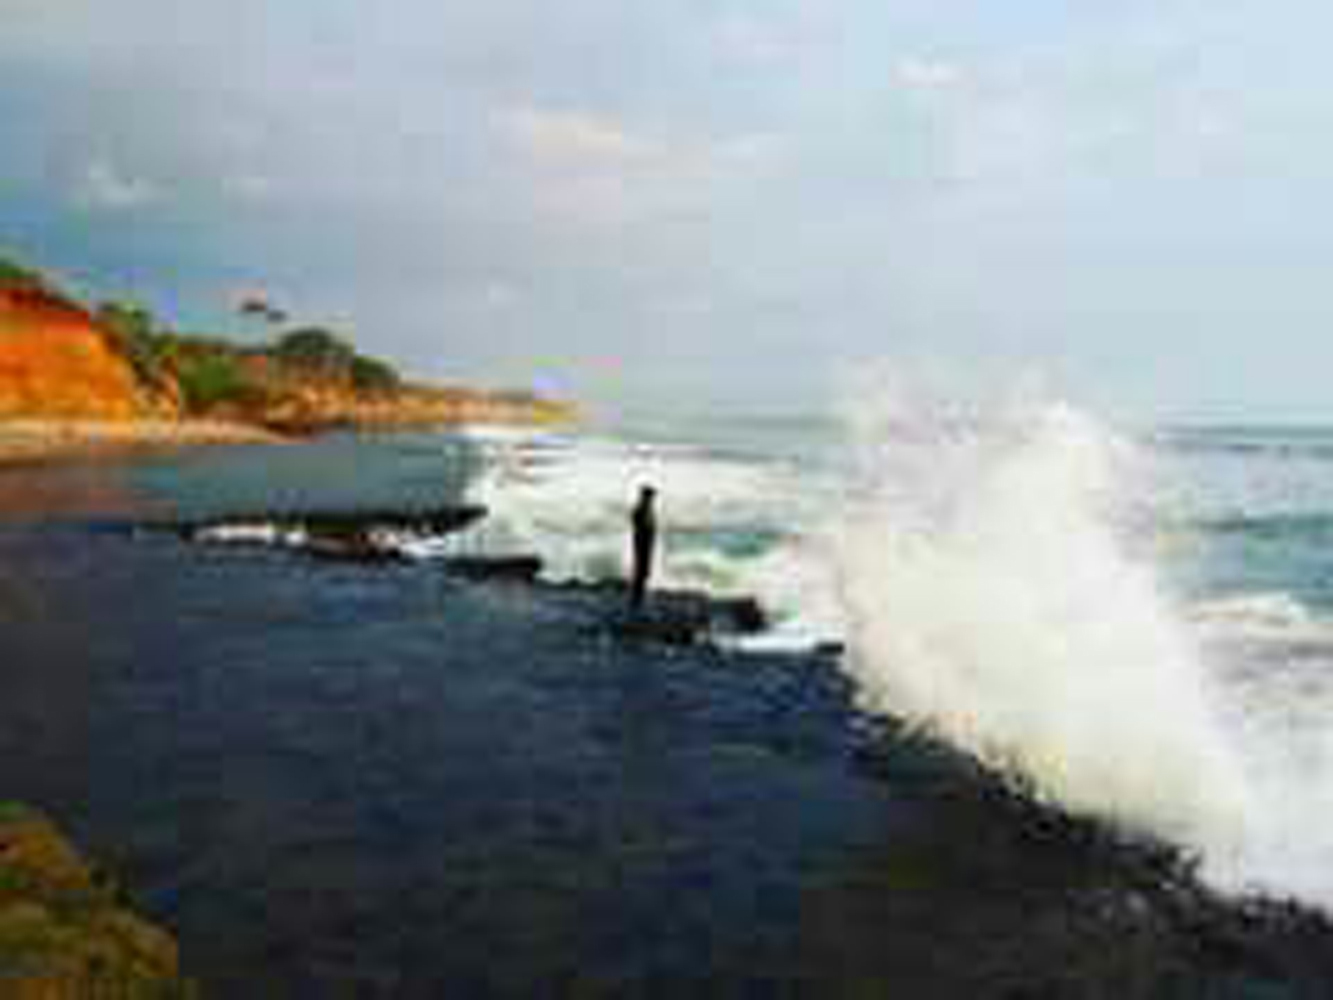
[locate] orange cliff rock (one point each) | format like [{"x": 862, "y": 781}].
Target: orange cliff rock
[{"x": 55, "y": 362}]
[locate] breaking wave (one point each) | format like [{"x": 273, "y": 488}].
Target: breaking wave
[
  {"x": 1003, "y": 591},
  {"x": 1015, "y": 577}
]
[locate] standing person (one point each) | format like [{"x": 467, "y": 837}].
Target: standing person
[{"x": 643, "y": 524}]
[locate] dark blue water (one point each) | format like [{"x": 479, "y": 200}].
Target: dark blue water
[{"x": 345, "y": 780}]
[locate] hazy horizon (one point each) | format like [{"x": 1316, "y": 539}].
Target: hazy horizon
[{"x": 730, "y": 203}]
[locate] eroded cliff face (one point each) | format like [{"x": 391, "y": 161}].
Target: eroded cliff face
[{"x": 55, "y": 362}]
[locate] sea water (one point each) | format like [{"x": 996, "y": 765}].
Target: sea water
[
  {"x": 317, "y": 770},
  {"x": 1131, "y": 622},
  {"x": 1134, "y": 623}
]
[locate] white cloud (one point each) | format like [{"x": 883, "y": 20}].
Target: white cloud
[
  {"x": 249, "y": 186},
  {"x": 576, "y": 140},
  {"x": 105, "y": 186},
  {"x": 750, "y": 40},
  {"x": 923, "y": 75},
  {"x": 596, "y": 169}
]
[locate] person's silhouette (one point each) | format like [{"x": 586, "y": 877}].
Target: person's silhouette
[{"x": 643, "y": 523}]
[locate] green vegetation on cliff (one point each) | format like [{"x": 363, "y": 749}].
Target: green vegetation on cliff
[
  {"x": 314, "y": 351},
  {"x": 212, "y": 375},
  {"x": 13, "y": 273},
  {"x": 302, "y": 377}
]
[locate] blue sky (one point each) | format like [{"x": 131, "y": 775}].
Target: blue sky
[{"x": 721, "y": 201}]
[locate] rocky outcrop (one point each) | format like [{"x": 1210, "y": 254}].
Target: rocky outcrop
[
  {"x": 55, "y": 362},
  {"x": 63, "y": 932}
]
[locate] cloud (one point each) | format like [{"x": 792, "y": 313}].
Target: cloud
[
  {"x": 105, "y": 187},
  {"x": 249, "y": 186},
  {"x": 481, "y": 185},
  {"x": 924, "y": 75},
  {"x": 754, "y": 41},
  {"x": 573, "y": 140},
  {"x": 596, "y": 169}
]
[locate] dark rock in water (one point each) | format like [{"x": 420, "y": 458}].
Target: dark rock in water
[
  {"x": 657, "y": 627},
  {"x": 517, "y": 569},
  {"x": 743, "y": 615},
  {"x": 360, "y": 548},
  {"x": 682, "y": 617},
  {"x": 343, "y": 535},
  {"x": 441, "y": 520},
  {"x": 1084, "y": 883},
  {"x": 707, "y": 614},
  {"x": 435, "y": 521}
]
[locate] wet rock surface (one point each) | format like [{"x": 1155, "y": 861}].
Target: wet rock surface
[
  {"x": 386, "y": 782},
  {"x": 257, "y": 526}
]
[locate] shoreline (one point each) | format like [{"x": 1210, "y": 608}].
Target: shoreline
[
  {"x": 405, "y": 787},
  {"x": 45, "y": 441}
]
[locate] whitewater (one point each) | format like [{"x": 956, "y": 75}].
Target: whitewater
[{"x": 1132, "y": 626}]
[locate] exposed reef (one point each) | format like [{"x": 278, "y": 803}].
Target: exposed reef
[{"x": 368, "y": 536}]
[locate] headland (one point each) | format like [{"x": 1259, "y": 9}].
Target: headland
[{"x": 79, "y": 380}]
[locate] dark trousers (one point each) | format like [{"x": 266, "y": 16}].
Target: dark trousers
[{"x": 643, "y": 568}]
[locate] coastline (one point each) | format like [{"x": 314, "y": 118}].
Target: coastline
[
  {"x": 43, "y": 440},
  {"x": 456, "y": 770},
  {"x": 427, "y": 769},
  {"x": 32, "y": 441}
]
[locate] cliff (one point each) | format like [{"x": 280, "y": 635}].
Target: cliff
[
  {"x": 310, "y": 380},
  {"x": 64, "y": 932},
  {"x": 56, "y": 362},
  {"x": 312, "y": 406},
  {"x": 62, "y": 364}
]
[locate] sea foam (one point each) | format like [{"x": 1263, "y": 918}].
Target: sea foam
[
  {"x": 1002, "y": 590},
  {"x": 993, "y": 598},
  {"x": 1002, "y": 573}
]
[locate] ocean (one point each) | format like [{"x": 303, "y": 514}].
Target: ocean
[
  {"x": 375, "y": 775},
  {"x": 1136, "y": 622}
]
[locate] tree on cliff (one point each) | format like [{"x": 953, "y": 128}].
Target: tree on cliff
[
  {"x": 210, "y": 379},
  {"x": 314, "y": 347},
  {"x": 149, "y": 350},
  {"x": 14, "y": 274},
  {"x": 200, "y": 375},
  {"x": 315, "y": 350},
  {"x": 373, "y": 375}
]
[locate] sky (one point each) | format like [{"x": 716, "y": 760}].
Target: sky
[{"x": 705, "y": 201}]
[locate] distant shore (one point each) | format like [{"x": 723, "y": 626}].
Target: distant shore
[{"x": 38, "y": 441}]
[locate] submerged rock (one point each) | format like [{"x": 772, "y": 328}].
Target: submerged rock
[
  {"x": 440, "y": 520},
  {"x": 682, "y": 617},
  {"x": 514, "y": 569},
  {"x": 63, "y": 930}
]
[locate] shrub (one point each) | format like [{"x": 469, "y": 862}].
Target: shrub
[
  {"x": 210, "y": 380},
  {"x": 314, "y": 347},
  {"x": 372, "y": 375},
  {"x": 12, "y": 273},
  {"x": 134, "y": 332}
]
